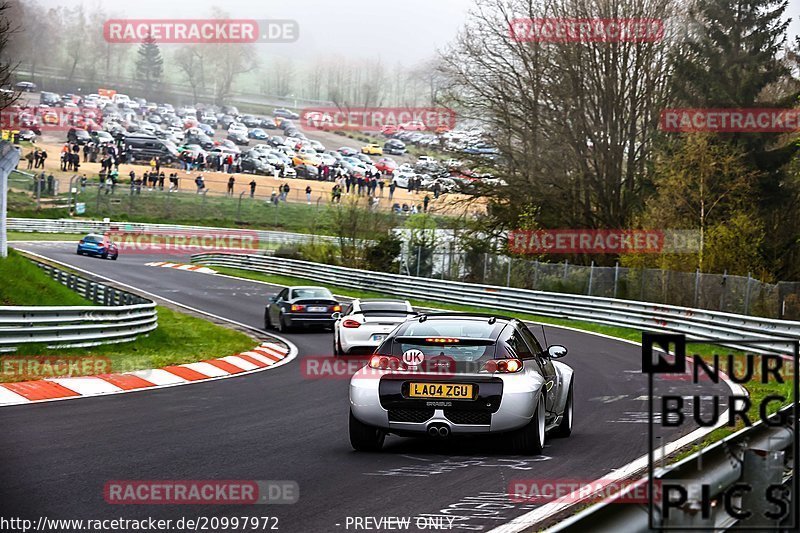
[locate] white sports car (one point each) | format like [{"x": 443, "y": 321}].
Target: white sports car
[{"x": 365, "y": 323}]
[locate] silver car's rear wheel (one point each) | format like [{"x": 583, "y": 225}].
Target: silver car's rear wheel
[
  {"x": 365, "y": 438},
  {"x": 529, "y": 440}
]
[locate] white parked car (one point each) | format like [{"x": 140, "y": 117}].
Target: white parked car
[
  {"x": 237, "y": 127},
  {"x": 365, "y": 323}
]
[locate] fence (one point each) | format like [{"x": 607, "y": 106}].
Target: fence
[
  {"x": 716, "y": 292},
  {"x": 695, "y": 323},
  {"x": 46, "y": 225},
  {"x": 119, "y": 316}
]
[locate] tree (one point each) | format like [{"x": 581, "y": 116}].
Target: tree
[
  {"x": 737, "y": 60},
  {"x": 575, "y": 123},
  {"x": 6, "y": 66},
  {"x": 149, "y": 64},
  {"x": 701, "y": 183},
  {"x": 191, "y": 62}
]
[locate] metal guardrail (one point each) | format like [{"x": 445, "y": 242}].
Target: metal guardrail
[
  {"x": 120, "y": 316},
  {"x": 758, "y": 457},
  {"x": 47, "y": 225},
  {"x": 696, "y": 324}
]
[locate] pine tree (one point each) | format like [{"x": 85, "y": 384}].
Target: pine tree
[
  {"x": 734, "y": 54},
  {"x": 149, "y": 64}
]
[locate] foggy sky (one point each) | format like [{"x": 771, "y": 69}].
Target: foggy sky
[{"x": 397, "y": 31}]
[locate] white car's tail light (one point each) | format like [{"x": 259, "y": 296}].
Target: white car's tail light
[{"x": 350, "y": 323}]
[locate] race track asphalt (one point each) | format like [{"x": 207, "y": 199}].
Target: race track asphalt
[{"x": 279, "y": 425}]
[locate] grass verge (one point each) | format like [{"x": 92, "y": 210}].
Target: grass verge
[
  {"x": 179, "y": 338},
  {"x": 23, "y": 283}
]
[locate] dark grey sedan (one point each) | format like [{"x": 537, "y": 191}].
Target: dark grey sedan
[{"x": 301, "y": 306}]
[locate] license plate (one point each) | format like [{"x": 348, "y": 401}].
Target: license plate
[
  {"x": 450, "y": 391},
  {"x": 317, "y": 309},
  {"x": 378, "y": 337}
]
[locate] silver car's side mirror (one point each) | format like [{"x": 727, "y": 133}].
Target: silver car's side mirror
[
  {"x": 272, "y": 299},
  {"x": 555, "y": 351},
  {"x": 336, "y": 316}
]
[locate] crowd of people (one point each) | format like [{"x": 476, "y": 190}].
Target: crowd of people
[{"x": 369, "y": 185}]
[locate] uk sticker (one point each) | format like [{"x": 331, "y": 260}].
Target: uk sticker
[{"x": 413, "y": 357}]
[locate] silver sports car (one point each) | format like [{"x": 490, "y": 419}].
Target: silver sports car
[{"x": 449, "y": 374}]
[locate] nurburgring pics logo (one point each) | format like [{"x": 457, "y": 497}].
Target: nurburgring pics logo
[
  {"x": 200, "y": 31},
  {"x": 586, "y": 30},
  {"x": 754, "y": 500},
  {"x": 177, "y": 242},
  {"x": 200, "y": 492},
  {"x": 31, "y": 367},
  {"x": 730, "y": 120},
  {"x": 435, "y": 119},
  {"x": 595, "y": 241}
]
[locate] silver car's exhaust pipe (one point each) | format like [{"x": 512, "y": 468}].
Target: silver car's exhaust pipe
[{"x": 438, "y": 430}]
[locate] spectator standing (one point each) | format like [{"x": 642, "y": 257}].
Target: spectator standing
[
  {"x": 308, "y": 194},
  {"x": 253, "y": 188},
  {"x": 42, "y": 158},
  {"x": 29, "y": 159},
  {"x": 231, "y": 181},
  {"x": 392, "y": 187},
  {"x": 425, "y": 202}
]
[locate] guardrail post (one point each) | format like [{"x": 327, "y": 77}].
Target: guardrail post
[
  {"x": 485, "y": 264},
  {"x": 747, "y": 295},
  {"x": 508, "y": 274},
  {"x": 591, "y": 278},
  {"x": 94, "y": 293},
  {"x": 724, "y": 290},
  {"x": 566, "y": 264},
  {"x": 696, "y": 286},
  {"x": 616, "y": 278},
  {"x": 760, "y": 470}
]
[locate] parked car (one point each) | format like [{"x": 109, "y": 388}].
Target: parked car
[
  {"x": 372, "y": 149},
  {"x": 394, "y": 147}
]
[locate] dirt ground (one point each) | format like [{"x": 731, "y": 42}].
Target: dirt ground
[{"x": 216, "y": 183}]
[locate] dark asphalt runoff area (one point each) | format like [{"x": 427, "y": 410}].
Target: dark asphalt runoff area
[{"x": 56, "y": 457}]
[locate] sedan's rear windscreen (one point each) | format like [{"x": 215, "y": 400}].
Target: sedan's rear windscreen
[{"x": 311, "y": 292}]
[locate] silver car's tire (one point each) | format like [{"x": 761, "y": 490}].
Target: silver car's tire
[
  {"x": 529, "y": 440},
  {"x": 564, "y": 429},
  {"x": 364, "y": 438}
]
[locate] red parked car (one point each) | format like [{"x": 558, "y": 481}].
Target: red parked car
[{"x": 386, "y": 165}]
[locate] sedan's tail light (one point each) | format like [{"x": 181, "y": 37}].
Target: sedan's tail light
[
  {"x": 337, "y": 308},
  {"x": 503, "y": 366},
  {"x": 385, "y": 362},
  {"x": 81, "y": 242},
  {"x": 350, "y": 323},
  {"x": 296, "y": 307}
]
